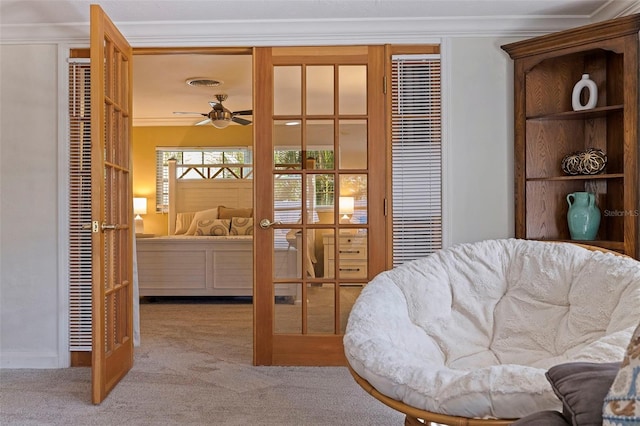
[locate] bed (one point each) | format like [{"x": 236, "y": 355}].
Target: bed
[{"x": 189, "y": 261}]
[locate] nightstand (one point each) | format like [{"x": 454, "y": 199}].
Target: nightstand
[{"x": 352, "y": 252}]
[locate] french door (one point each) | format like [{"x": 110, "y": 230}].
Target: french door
[
  {"x": 112, "y": 235},
  {"x": 319, "y": 196}
]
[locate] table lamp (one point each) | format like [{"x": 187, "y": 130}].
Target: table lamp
[
  {"x": 345, "y": 208},
  {"x": 139, "y": 207}
]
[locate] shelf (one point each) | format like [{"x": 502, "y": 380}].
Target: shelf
[
  {"x": 579, "y": 115},
  {"x": 577, "y": 177}
]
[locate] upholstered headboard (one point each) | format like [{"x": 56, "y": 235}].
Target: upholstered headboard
[{"x": 192, "y": 195}]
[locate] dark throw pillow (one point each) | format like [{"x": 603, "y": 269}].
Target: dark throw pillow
[{"x": 582, "y": 386}]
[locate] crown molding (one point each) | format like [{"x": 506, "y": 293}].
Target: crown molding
[
  {"x": 283, "y": 32},
  {"x": 298, "y": 32},
  {"x": 615, "y": 9}
]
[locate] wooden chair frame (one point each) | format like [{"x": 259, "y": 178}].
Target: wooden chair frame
[{"x": 413, "y": 414}]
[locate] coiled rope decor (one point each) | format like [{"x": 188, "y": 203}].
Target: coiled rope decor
[{"x": 589, "y": 162}]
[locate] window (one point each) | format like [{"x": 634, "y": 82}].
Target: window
[
  {"x": 416, "y": 150},
  {"x": 200, "y": 163}
]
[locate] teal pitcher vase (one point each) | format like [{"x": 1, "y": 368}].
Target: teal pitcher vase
[{"x": 583, "y": 216}]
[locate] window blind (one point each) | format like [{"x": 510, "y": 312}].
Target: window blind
[
  {"x": 416, "y": 150},
  {"x": 162, "y": 182},
  {"x": 79, "y": 206}
]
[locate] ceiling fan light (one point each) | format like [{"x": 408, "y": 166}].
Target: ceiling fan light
[
  {"x": 220, "y": 118},
  {"x": 220, "y": 124}
]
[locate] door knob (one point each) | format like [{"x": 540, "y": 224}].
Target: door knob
[{"x": 266, "y": 223}]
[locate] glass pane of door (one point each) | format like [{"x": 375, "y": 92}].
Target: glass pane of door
[{"x": 352, "y": 87}]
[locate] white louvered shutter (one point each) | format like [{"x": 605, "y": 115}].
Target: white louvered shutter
[
  {"x": 416, "y": 157},
  {"x": 79, "y": 206},
  {"x": 162, "y": 182}
]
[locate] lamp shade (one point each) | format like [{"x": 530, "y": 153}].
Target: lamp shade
[
  {"x": 346, "y": 205},
  {"x": 139, "y": 205}
]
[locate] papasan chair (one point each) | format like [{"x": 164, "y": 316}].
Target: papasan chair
[{"x": 465, "y": 336}]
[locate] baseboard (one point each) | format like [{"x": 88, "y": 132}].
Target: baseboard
[{"x": 14, "y": 360}]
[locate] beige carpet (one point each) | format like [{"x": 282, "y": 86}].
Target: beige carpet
[{"x": 193, "y": 368}]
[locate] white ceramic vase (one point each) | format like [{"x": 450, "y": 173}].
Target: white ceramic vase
[{"x": 592, "y": 89}]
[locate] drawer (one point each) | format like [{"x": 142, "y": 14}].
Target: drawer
[
  {"x": 353, "y": 241},
  {"x": 352, "y": 251},
  {"x": 348, "y": 269},
  {"x": 349, "y": 248}
]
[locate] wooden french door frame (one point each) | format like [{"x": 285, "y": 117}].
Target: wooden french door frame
[
  {"x": 86, "y": 358},
  {"x": 113, "y": 350},
  {"x": 112, "y": 210},
  {"x": 305, "y": 349}
]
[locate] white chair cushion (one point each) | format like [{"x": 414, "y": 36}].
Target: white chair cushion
[{"x": 471, "y": 330}]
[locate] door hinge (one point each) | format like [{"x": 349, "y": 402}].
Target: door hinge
[
  {"x": 384, "y": 84},
  {"x": 385, "y": 207}
]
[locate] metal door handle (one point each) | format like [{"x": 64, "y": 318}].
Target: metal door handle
[
  {"x": 106, "y": 227},
  {"x": 266, "y": 223}
]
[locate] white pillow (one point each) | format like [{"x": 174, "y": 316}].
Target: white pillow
[
  {"x": 210, "y": 214},
  {"x": 183, "y": 221}
]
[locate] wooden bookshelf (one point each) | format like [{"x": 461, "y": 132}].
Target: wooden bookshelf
[{"x": 547, "y": 128}]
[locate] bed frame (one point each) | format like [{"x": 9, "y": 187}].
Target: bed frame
[{"x": 176, "y": 265}]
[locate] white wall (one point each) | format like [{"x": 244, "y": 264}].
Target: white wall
[
  {"x": 29, "y": 303},
  {"x": 479, "y": 183},
  {"x": 480, "y": 140}
]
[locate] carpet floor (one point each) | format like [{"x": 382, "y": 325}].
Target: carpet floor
[{"x": 193, "y": 367}]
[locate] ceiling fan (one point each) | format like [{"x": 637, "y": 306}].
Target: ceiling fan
[{"x": 219, "y": 116}]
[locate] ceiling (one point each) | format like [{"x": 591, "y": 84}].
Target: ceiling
[
  {"x": 159, "y": 80},
  {"x": 160, "y": 88}
]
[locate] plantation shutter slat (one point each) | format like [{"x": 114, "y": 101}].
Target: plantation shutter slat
[
  {"x": 162, "y": 183},
  {"x": 79, "y": 207},
  {"x": 416, "y": 150}
]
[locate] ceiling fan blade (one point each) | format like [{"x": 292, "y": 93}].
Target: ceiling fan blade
[
  {"x": 244, "y": 112},
  {"x": 189, "y": 112},
  {"x": 205, "y": 121},
  {"x": 240, "y": 121}
]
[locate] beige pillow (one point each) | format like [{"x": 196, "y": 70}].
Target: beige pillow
[
  {"x": 229, "y": 213},
  {"x": 241, "y": 226},
  {"x": 210, "y": 214},
  {"x": 215, "y": 227},
  {"x": 183, "y": 221}
]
